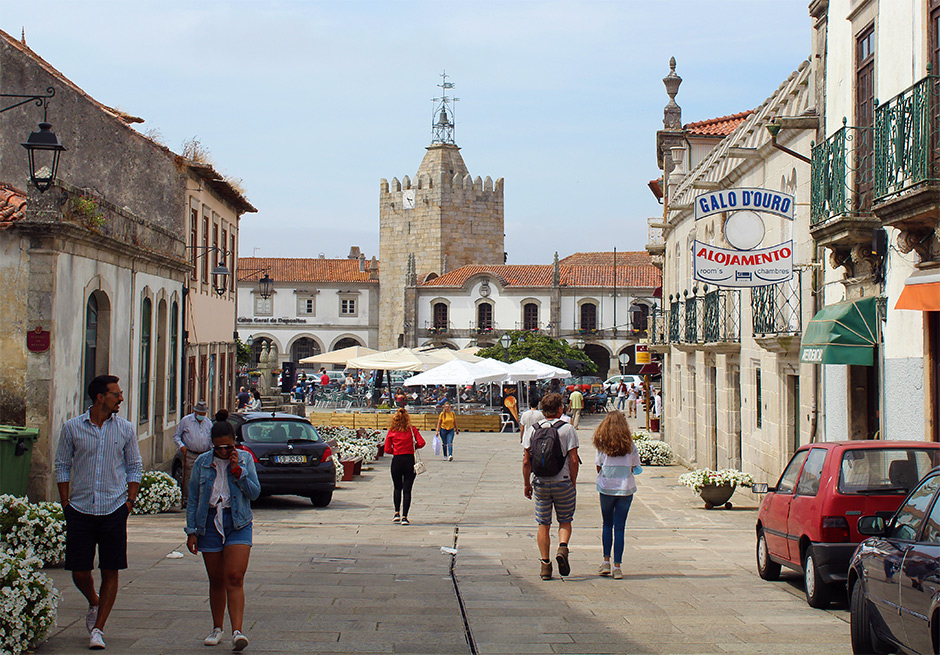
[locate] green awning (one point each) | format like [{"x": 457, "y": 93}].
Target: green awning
[{"x": 843, "y": 333}]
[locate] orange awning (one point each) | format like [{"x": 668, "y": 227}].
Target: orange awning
[{"x": 921, "y": 292}]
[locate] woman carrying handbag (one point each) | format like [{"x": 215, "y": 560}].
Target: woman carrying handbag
[{"x": 402, "y": 442}]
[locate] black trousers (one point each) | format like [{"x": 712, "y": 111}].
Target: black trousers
[{"x": 403, "y": 477}]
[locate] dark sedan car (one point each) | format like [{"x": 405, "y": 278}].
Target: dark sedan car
[
  {"x": 289, "y": 455},
  {"x": 894, "y": 579}
]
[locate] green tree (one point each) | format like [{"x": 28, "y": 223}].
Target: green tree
[
  {"x": 539, "y": 347},
  {"x": 243, "y": 356}
]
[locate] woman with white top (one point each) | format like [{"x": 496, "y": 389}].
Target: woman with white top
[{"x": 617, "y": 462}]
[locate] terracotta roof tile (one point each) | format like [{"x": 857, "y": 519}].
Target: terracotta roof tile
[
  {"x": 12, "y": 206},
  {"x": 721, "y": 126},
  {"x": 636, "y": 275},
  {"x": 284, "y": 269}
]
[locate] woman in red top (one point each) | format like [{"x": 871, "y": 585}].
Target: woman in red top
[{"x": 400, "y": 442}]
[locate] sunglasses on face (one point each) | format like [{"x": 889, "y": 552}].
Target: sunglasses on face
[{"x": 223, "y": 448}]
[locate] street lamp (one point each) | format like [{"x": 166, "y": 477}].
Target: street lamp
[
  {"x": 579, "y": 344},
  {"x": 266, "y": 286},
  {"x": 43, "y": 147},
  {"x": 505, "y": 341},
  {"x": 220, "y": 278}
]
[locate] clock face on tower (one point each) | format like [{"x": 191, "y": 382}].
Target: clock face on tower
[{"x": 408, "y": 199}]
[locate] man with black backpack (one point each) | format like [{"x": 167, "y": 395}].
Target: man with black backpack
[{"x": 550, "y": 473}]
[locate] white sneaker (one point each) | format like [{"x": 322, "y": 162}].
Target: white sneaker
[
  {"x": 239, "y": 641},
  {"x": 96, "y": 640},
  {"x": 91, "y": 617},
  {"x": 450, "y": 458},
  {"x": 214, "y": 637}
]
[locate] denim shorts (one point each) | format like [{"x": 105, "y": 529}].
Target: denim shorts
[{"x": 211, "y": 541}]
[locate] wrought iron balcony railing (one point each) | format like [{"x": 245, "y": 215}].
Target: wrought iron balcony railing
[
  {"x": 659, "y": 326},
  {"x": 841, "y": 176},
  {"x": 722, "y": 322},
  {"x": 692, "y": 314},
  {"x": 906, "y": 143},
  {"x": 777, "y": 309},
  {"x": 676, "y": 322}
]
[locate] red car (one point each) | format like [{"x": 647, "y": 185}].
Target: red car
[
  {"x": 808, "y": 521},
  {"x": 583, "y": 383}
]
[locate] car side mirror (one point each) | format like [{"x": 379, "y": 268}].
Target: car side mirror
[
  {"x": 760, "y": 488},
  {"x": 871, "y": 526}
]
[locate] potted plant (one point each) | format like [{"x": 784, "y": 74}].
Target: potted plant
[{"x": 715, "y": 487}]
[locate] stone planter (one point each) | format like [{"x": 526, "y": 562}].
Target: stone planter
[{"x": 716, "y": 495}]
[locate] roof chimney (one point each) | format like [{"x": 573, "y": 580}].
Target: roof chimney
[
  {"x": 353, "y": 252},
  {"x": 373, "y": 269},
  {"x": 362, "y": 263}
]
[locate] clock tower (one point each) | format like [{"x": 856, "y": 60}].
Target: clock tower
[{"x": 444, "y": 218}]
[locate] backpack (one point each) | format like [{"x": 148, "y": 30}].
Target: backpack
[{"x": 545, "y": 450}]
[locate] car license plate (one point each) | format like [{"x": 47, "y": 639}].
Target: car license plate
[{"x": 290, "y": 459}]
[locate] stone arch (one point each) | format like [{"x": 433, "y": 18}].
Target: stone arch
[
  {"x": 346, "y": 341},
  {"x": 303, "y": 345},
  {"x": 600, "y": 355}
]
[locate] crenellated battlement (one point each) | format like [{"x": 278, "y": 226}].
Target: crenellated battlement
[{"x": 443, "y": 180}]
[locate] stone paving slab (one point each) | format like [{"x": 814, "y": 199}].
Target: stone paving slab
[{"x": 344, "y": 579}]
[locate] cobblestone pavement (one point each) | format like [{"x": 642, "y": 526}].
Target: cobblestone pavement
[{"x": 344, "y": 579}]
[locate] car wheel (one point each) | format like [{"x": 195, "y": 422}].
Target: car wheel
[
  {"x": 818, "y": 592},
  {"x": 864, "y": 639},
  {"x": 767, "y": 569},
  {"x": 321, "y": 499}
]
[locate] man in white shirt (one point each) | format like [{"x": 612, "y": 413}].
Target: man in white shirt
[
  {"x": 193, "y": 438},
  {"x": 632, "y": 395},
  {"x": 529, "y": 418}
]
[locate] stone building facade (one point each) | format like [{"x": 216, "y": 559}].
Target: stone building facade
[
  {"x": 441, "y": 220},
  {"x": 735, "y": 394}
]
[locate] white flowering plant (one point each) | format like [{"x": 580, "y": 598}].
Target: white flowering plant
[
  {"x": 700, "y": 478},
  {"x": 654, "y": 453},
  {"x": 352, "y": 443},
  {"x": 36, "y": 527},
  {"x": 28, "y": 602},
  {"x": 158, "y": 493},
  {"x": 339, "y": 468}
]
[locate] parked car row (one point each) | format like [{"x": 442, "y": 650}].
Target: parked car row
[{"x": 860, "y": 520}]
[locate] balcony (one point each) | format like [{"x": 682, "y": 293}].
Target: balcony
[
  {"x": 841, "y": 190},
  {"x": 655, "y": 241},
  {"x": 776, "y": 315},
  {"x": 907, "y": 165},
  {"x": 721, "y": 322},
  {"x": 712, "y": 319},
  {"x": 658, "y": 328}
]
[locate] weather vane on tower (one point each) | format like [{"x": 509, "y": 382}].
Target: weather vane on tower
[{"x": 443, "y": 128}]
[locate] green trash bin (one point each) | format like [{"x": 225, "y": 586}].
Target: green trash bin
[{"x": 16, "y": 452}]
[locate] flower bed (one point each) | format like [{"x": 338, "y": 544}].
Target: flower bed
[
  {"x": 352, "y": 443},
  {"x": 158, "y": 493},
  {"x": 28, "y": 601},
  {"x": 699, "y": 478},
  {"x": 652, "y": 452},
  {"x": 38, "y": 527}
]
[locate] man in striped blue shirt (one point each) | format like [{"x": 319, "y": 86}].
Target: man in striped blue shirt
[{"x": 98, "y": 470}]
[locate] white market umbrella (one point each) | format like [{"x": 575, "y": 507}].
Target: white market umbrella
[
  {"x": 340, "y": 356},
  {"x": 449, "y": 355},
  {"x": 399, "y": 359},
  {"x": 454, "y": 372},
  {"x": 541, "y": 370}
]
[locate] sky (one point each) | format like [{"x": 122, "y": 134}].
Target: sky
[{"x": 311, "y": 103}]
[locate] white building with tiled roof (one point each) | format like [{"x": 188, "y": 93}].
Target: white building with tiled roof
[{"x": 317, "y": 305}]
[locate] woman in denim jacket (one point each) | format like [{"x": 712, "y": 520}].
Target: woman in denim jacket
[{"x": 218, "y": 522}]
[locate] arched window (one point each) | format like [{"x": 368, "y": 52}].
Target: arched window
[
  {"x": 146, "y": 316},
  {"x": 346, "y": 342},
  {"x": 440, "y": 316},
  {"x": 174, "y": 355},
  {"x": 91, "y": 345},
  {"x": 639, "y": 316},
  {"x": 589, "y": 316},
  {"x": 530, "y": 316},
  {"x": 485, "y": 316},
  {"x": 304, "y": 347}
]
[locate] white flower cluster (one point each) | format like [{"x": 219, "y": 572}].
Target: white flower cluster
[
  {"x": 353, "y": 443},
  {"x": 654, "y": 453},
  {"x": 37, "y": 527},
  {"x": 699, "y": 478},
  {"x": 339, "y": 468},
  {"x": 158, "y": 493},
  {"x": 28, "y": 602}
]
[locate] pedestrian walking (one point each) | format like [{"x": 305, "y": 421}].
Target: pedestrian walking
[
  {"x": 576, "y": 403},
  {"x": 657, "y": 404},
  {"x": 193, "y": 439},
  {"x": 402, "y": 441},
  {"x": 242, "y": 398},
  {"x": 632, "y": 395},
  {"x": 218, "y": 524},
  {"x": 550, "y": 475},
  {"x": 446, "y": 429},
  {"x": 621, "y": 395},
  {"x": 530, "y": 417},
  {"x": 98, "y": 471},
  {"x": 617, "y": 462}
]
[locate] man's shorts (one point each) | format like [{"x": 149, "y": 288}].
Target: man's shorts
[
  {"x": 560, "y": 495},
  {"x": 85, "y": 532}
]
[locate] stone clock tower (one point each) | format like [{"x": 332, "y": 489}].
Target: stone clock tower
[{"x": 444, "y": 218}]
